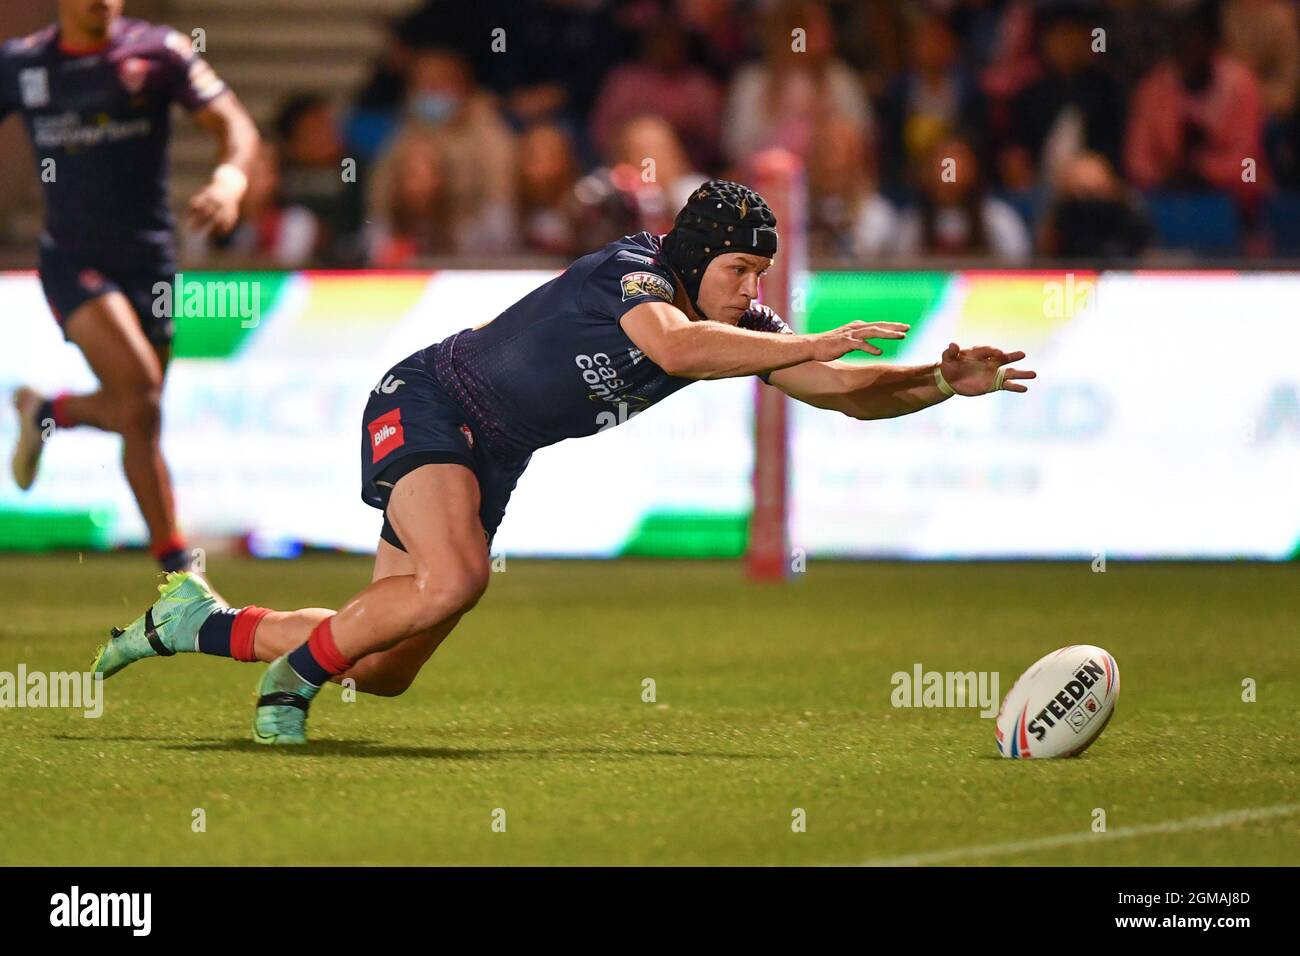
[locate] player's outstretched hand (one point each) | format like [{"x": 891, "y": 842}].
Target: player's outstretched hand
[
  {"x": 979, "y": 370},
  {"x": 828, "y": 346},
  {"x": 215, "y": 207}
]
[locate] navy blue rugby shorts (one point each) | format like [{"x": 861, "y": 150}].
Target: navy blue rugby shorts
[
  {"x": 411, "y": 421},
  {"x": 71, "y": 279}
]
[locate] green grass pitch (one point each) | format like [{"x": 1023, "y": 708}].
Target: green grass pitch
[{"x": 768, "y": 699}]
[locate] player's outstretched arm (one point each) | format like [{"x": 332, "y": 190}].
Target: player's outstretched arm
[
  {"x": 888, "y": 391},
  {"x": 216, "y": 205},
  {"x": 706, "y": 350}
]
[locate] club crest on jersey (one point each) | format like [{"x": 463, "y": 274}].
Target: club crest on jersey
[
  {"x": 35, "y": 87},
  {"x": 386, "y": 434},
  {"x": 91, "y": 280},
  {"x": 469, "y": 435},
  {"x": 132, "y": 73},
  {"x": 646, "y": 283}
]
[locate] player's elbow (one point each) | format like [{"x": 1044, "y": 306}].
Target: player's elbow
[
  {"x": 831, "y": 402},
  {"x": 248, "y": 128},
  {"x": 859, "y": 409},
  {"x": 874, "y": 413}
]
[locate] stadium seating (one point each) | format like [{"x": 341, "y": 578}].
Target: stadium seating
[
  {"x": 266, "y": 51},
  {"x": 1282, "y": 215},
  {"x": 1204, "y": 223},
  {"x": 1027, "y": 202}
]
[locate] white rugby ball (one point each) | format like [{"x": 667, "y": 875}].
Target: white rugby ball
[{"x": 1060, "y": 705}]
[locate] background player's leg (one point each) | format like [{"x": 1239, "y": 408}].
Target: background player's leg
[
  {"x": 130, "y": 372},
  {"x": 164, "y": 353},
  {"x": 386, "y": 673}
]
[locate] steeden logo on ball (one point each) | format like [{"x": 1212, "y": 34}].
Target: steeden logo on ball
[{"x": 1060, "y": 705}]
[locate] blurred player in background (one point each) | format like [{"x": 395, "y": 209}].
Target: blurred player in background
[
  {"x": 95, "y": 90},
  {"x": 449, "y": 430}
]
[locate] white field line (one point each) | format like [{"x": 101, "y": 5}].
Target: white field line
[{"x": 1069, "y": 839}]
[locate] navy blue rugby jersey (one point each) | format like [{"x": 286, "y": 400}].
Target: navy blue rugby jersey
[
  {"x": 103, "y": 117},
  {"x": 557, "y": 364}
]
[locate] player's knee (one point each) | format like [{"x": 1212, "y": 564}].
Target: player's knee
[
  {"x": 451, "y": 588},
  {"x": 140, "y": 413},
  {"x": 462, "y": 587},
  {"x": 473, "y": 585}
]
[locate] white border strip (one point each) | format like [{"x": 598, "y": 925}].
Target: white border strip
[{"x": 1068, "y": 839}]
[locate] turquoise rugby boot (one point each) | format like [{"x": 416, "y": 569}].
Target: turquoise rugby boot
[
  {"x": 172, "y": 625},
  {"x": 282, "y": 701}
]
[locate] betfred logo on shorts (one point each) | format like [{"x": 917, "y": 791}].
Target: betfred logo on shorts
[{"x": 386, "y": 434}]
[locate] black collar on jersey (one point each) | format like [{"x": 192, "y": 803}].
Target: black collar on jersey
[{"x": 720, "y": 217}]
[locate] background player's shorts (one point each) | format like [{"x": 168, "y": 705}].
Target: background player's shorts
[
  {"x": 411, "y": 421},
  {"x": 71, "y": 279}
]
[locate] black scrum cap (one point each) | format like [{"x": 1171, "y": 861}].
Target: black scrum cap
[{"x": 720, "y": 217}]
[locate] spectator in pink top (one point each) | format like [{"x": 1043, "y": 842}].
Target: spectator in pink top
[
  {"x": 662, "y": 82},
  {"x": 1196, "y": 119},
  {"x": 801, "y": 81}
]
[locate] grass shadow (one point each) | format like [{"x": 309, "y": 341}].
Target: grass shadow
[
  {"x": 372, "y": 748},
  {"x": 368, "y": 748}
]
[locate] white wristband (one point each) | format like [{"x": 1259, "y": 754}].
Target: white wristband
[
  {"x": 942, "y": 382},
  {"x": 232, "y": 177}
]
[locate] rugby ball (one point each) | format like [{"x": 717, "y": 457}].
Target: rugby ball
[{"x": 1060, "y": 705}]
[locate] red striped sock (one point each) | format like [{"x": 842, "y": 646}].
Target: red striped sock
[
  {"x": 59, "y": 412},
  {"x": 325, "y": 650},
  {"x": 161, "y": 548},
  {"x": 243, "y": 632},
  {"x": 319, "y": 659}
]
